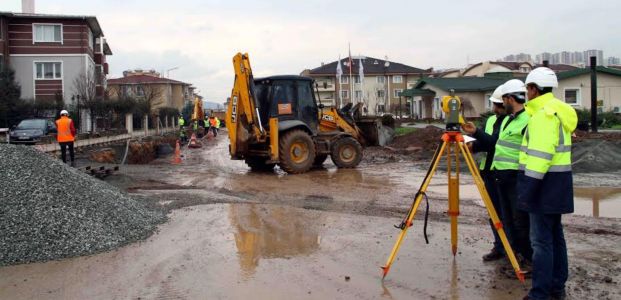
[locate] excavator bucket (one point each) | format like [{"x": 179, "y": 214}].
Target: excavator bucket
[{"x": 373, "y": 130}]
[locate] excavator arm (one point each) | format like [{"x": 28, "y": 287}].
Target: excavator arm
[{"x": 243, "y": 120}]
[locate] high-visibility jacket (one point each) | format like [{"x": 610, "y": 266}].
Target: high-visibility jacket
[
  {"x": 217, "y": 122},
  {"x": 214, "y": 122},
  {"x": 65, "y": 130},
  {"x": 507, "y": 154},
  {"x": 181, "y": 121},
  {"x": 489, "y": 129},
  {"x": 545, "y": 181}
]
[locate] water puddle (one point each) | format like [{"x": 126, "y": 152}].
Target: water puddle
[
  {"x": 598, "y": 201},
  {"x": 263, "y": 232}
]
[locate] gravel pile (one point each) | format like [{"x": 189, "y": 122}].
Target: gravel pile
[{"x": 51, "y": 211}]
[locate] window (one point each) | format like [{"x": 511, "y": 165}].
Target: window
[
  {"x": 488, "y": 102},
  {"x": 139, "y": 91},
  {"x": 381, "y": 79},
  {"x": 48, "y": 70},
  {"x": 344, "y": 94},
  {"x": 397, "y": 92},
  {"x": 397, "y": 79},
  {"x": 381, "y": 94},
  {"x": 572, "y": 96},
  {"x": 380, "y": 108},
  {"x": 344, "y": 79},
  {"x": 358, "y": 95},
  {"x": 47, "y": 33},
  {"x": 126, "y": 90},
  {"x": 357, "y": 79},
  {"x": 91, "y": 40}
]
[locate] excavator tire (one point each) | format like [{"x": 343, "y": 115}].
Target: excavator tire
[
  {"x": 297, "y": 152},
  {"x": 346, "y": 153},
  {"x": 320, "y": 159},
  {"x": 257, "y": 164}
]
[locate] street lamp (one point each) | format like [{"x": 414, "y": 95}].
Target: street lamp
[{"x": 168, "y": 71}]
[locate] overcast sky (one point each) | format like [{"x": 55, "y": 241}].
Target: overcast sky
[{"x": 286, "y": 37}]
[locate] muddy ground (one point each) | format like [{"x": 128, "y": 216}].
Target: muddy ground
[{"x": 319, "y": 235}]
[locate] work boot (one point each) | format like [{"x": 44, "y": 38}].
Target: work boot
[
  {"x": 558, "y": 296},
  {"x": 493, "y": 255}
]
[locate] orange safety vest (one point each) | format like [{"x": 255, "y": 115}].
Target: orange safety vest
[
  {"x": 63, "y": 126},
  {"x": 213, "y": 122}
]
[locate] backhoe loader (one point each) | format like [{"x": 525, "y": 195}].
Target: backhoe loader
[{"x": 276, "y": 120}]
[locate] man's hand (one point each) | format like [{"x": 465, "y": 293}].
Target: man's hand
[{"x": 469, "y": 128}]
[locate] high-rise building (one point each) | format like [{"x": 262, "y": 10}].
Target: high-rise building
[
  {"x": 543, "y": 56},
  {"x": 614, "y": 61},
  {"x": 578, "y": 58},
  {"x": 599, "y": 54},
  {"x": 555, "y": 59}
]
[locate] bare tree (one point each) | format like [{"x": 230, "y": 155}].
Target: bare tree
[{"x": 85, "y": 88}]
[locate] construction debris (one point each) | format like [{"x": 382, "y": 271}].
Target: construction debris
[
  {"x": 51, "y": 211},
  {"x": 427, "y": 138}
]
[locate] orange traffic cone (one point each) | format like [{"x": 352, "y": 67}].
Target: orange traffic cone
[
  {"x": 194, "y": 143},
  {"x": 177, "y": 157}
]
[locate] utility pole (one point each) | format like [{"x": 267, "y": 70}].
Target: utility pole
[{"x": 593, "y": 94}]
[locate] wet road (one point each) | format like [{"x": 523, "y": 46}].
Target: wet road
[{"x": 276, "y": 236}]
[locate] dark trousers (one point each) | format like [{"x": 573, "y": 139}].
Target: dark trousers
[
  {"x": 490, "y": 186},
  {"x": 215, "y": 131},
  {"x": 63, "y": 150},
  {"x": 515, "y": 221},
  {"x": 550, "y": 266}
]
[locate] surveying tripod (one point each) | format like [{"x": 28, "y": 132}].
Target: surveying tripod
[{"x": 453, "y": 145}]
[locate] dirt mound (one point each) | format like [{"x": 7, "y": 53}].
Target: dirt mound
[
  {"x": 607, "y": 136},
  {"x": 51, "y": 211},
  {"x": 426, "y": 139},
  {"x": 596, "y": 155}
]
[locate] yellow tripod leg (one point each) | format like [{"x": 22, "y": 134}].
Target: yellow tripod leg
[
  {"x": 413, "y": 209},
  {"x": 453, "y": 196},
  {"x": 490, "y": 209}
]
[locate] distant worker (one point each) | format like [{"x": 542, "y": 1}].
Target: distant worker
[
  {"x": 181, "y": 121},
  {"x": 66, "y": 136},
  {"x": 505, "y": 168},
  {"x": 214, "y": 123},
  {"x": 545, "y": 186},
  {"x": 488, "y": 145}
]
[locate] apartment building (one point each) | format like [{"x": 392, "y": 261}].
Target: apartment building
[
  {"x": 161, "y": 92},
  {"x": 50, "y": 52},
  {"x": 379, "y": 90}
]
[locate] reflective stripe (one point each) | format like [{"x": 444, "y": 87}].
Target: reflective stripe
[
  {"x": 506, "y": 159},
  {"x": 561, "y": 136},
  {"x": 534, "y": 174},
  {"x": 560, "y": 168},
  {"x": 508, "y": 144},
  {"x": 563, "y": 148},
  {"x": 540, "y": 154},
  {"x": 522, "y": 167},
  {"x": 524, "y": 149}
]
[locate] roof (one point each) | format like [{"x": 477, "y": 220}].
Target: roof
[
  {"x": 559, "y": 67},
  {"x": 582, "y": 71},
  {"x": 417, "y": 92},
  {"x": 514, "y": 66},
  {"x": 370, "y": 65},
  {"x": 284, "y": 77},
  {"x": 462, "y": 84},
  {"x": 142, "y": 79},
  {"x": 91, "y": 20}
]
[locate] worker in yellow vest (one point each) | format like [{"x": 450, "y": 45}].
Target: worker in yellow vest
[
  {"x": 486, "y": 143},
  {"x": 545, "y": 184},
  {"x": 65, "y": 136}
]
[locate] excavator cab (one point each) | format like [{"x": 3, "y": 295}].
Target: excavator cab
[{"x": 290, "y": 99}]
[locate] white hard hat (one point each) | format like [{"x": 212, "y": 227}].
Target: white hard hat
[
  {"x": 542, "y": 77},
  {"x": 64, "y": 112},
  {"x": 513, "y": 86},
  {"x": 496, "y": 95}
]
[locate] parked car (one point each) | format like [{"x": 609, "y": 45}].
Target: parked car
[{"x": 30, "y": 131}]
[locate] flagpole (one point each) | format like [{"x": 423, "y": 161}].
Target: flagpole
[{"x": 351, "y": 77}]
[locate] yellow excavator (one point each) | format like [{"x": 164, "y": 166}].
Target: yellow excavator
[
  {"x": 276, "y": 120},
  {"x": 197, "y": 118}
]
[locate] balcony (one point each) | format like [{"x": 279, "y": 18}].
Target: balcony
[{"x": 329, "y": 87}]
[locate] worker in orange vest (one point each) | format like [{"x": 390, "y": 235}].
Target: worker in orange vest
[
  {"x": 65, "y": 136},
  {"x": 214, "y": 124}
]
